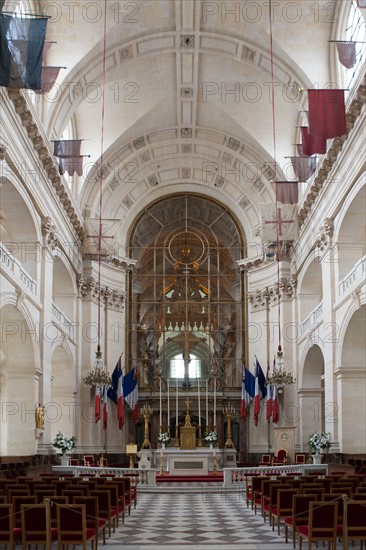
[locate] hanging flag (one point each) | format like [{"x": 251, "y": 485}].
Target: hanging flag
[
  {"x": 347, "y": 53},
  {"x": 49, "y": 77},
  {"x": 112, "y": 390},
  {"x": 260, "y": 390},
  {"x": 279, "y": 221},
  {"x": 327, "y": 113},
  {"x": 269, "y": 397},
  {"x": 312, "y": 145},
  {"x": 300, "y": 150},
  {"x": 97, "y": 410},
  {"x": 120, "y": 399},
  {"x": 304, "y": 167},
  {"x": 287, "y": 192},
  {"x": 68, "y": 153},
  {"x": 130, "y": 392},
  {"x": 275, "y": 411},
  {"x": 269, "y": 402},
  {"x": 105, "y": 408},
  {"x": 21, "y": 49},
  {"x": 247, "y": 392},
  {"x": 46, "y": 47}
]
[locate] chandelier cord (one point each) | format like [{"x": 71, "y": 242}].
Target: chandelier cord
[
  {"x": 275, "y": 172},
  {"x": 100, "y": 234}
]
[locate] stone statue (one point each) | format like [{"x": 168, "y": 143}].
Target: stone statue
[{"x": 40, "y": 416}]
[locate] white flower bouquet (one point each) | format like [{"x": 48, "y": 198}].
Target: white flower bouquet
[
  {"x": 64, "y": 443},
  {"x": 211, "y": 437},
  {"x": 163, "y": 437},
  {"x": 319, "y": 440}
]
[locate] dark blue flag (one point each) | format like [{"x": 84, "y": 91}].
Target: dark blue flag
[{"x": 21, "y": 51}]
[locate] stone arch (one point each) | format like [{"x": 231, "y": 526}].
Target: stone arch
[
  {"x": 310, "y": 290},
  {"x": 63, "y": 291},
  {"x": 350, "y": 234},
  {"x": 19, "y": 382},
  {"x": 351, "y": 384},
  {"x": 20, "y": 239},
  {"x": 311, "y": 394},
  {"x": 60, "y": 412}
]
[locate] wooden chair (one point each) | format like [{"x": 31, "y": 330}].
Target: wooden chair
[
  {"x": 53, "y": 508},
  {"x": 299, "y": 515},
  {"x": 356, "y": 522},
  {"x": 271, "y": 502},
  {"x": 265, "y": 460},
  {"x": 281, "y": 457},
  {"x": 256, "y": 489},
  {"x": 105, "y": 509},
  {"x": 18, "y": 501},
  {"x": 283, "y": 506},
  {"x": 9, "y": 534},
  {"x": 36, "y": 525},
  {"x": 88, "y": 460},
  {"x": 92, "y": 516},
  {"x": 322, "y": 524},
  {"x": 72, "y": 528},
  {"x": 74, "y": 462},
  {"x": 300, "y": 458}
]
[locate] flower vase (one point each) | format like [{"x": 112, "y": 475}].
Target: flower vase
[
  {"x": 211, "y": 444},
  {"x": 163, "y": 445},
  {"x": 64, "y": 460},
  {"x": 317, "y": 458}
]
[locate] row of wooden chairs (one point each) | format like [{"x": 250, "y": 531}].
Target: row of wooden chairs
[
  {"x": 289, "y": 499},
  {"x": 73, "y": 526}
]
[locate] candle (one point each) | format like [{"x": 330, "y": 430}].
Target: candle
[
  {"x": 168, "y": 413},
  {"x": 176, "y": 403},
  {"x": 214, "y": 418},
  {"x": 199, "y": 404},
  {"x": 161, "y": 412},
  {"x": 206, "y": 402}
]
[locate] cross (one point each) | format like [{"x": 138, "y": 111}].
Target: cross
[
  {"x": 187, "y": 402},
  {"x": 280, "y": 221}
]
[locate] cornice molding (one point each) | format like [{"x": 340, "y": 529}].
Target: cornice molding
[{"x": 49, "y": 164}]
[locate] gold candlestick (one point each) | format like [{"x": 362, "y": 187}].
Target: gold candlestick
[
  {"x": 199, "y": 444},
  {"x": 161, "y": 462},
  {"x": 229, "y": 411},
  {"x": 146, "y": 411},
  {"x": 214, "y": 466}
]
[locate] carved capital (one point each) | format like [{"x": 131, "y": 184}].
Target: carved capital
[{"x": 49, "y": 233}]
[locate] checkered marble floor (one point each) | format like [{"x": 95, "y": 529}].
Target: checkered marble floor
[{"x": 208, "y": 520}]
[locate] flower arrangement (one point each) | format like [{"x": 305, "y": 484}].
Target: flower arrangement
[
  {"x": 211, "y": 437},
  {"x": 64, "y": 443},
  {"x": 319, "y": 440},
  {"x": 163, "y": 437}
]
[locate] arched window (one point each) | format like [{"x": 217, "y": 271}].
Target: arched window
[
  {"x": 355, "y": 32},
  {"x": 177, "y": 366},
  {"x": 186, "y": 302}
]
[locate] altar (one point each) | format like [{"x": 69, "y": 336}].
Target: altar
[{"x": 199, "y": 461}]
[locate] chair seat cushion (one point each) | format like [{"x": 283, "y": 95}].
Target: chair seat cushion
[
  {"x": 53, "y": 533},
  {"x": 101, "y": 522},
  {"x": 17, "y": 533},
  {"x": 304, "y": 530},
  {"x": 289, "y": 520}
]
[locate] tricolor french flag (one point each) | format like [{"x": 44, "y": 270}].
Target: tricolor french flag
[
  {"x": 120, "y": 400},
  {"x": 260, "y": 390},
  {"x": 130, "y": 392},
  {"x": 97, "y": 409}
]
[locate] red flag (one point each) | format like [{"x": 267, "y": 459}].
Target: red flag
[
  {"x": 312, "y": 144},
  {"x": 243, "y": 404},
  {"x": 269, "y": 397},
  {"x": 120, "y": 399},
  {"x": 347, "y": 54},
  {"x": 287, "y": 192},
  {"x": 327, "y": 113},
  {"x": 275, "y": 413},
  {"x": 105, "y": 408},
  {"x": 97, "y": 411}
]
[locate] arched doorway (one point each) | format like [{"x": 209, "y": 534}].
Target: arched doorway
[{"x": 311, "y": 395}]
